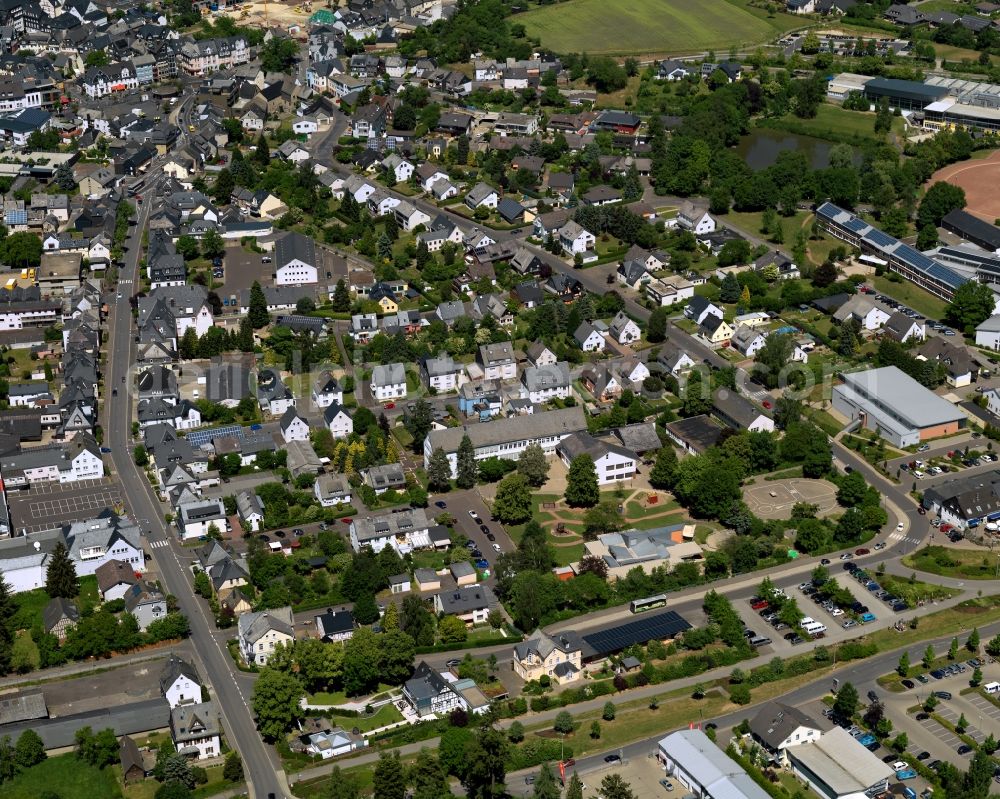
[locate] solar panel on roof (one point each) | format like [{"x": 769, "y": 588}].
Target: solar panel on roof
[
  {"x": 946, "y": 275},
  {"x": 856, "y": 225},
  {"x": 658, "y": 626},
  {"x": 199, "y": 437},
  {"x": 879, "y": 239}
]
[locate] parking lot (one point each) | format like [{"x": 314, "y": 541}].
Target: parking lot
[
  {"x": 241, "y": 268},
  {"x": 48, "y": 505}
]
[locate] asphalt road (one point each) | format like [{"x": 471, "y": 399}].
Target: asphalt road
[{"x": 263, "y": 774}]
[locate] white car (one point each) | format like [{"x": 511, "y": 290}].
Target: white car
[
  {"x": 899, "y": 765},
  {"x": 918, "y": 474},
  {"x": 496, "y": 548},
  {"x": 836, "y": 612},
  {"x": 472, "y": 513},
  {"x": 899, "y": 527}
]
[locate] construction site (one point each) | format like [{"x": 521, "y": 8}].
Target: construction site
[{"x": 272, "y": 13}]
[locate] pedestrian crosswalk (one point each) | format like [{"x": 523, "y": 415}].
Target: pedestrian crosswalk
[
  {"x": 909, "y": 539},
  {"x": 158, "y": 544},
  {"x": 124, "y": 282}
]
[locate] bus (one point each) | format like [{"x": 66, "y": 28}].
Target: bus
[{"x": 650, "y": 602}]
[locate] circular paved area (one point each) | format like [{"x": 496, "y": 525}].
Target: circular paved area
[{"x": 774, "y": 499}]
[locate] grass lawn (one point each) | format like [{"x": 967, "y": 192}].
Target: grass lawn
[
  {"x": 68, "y": 777},
  {"x": 916, "y": 590},
  {"x": 387, "y": 714},
  {"x": 947, "y": 52},
  {"x": 339, "y": 697},
  {"x": 919, "y": 300},
  {"x": 750, "y": 222},
  {"x": 674, "y": 26},
  {"x": 969, "y": 564},
  {"x": 831, "y": 122}
]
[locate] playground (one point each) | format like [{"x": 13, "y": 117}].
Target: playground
[{"x": 774, "y": 499}]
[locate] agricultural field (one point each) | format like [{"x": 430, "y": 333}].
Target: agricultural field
[{"x": 672, "y": 26}]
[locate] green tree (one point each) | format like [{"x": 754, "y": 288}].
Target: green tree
[
  {"x": 257, "y": 311},
  {"x": 903, "y": 667},
  {"x": 613, "y": 786},
  {"x": 953, "y": 649},
  {"x": 972, "y": 642},
  {"x": 60, "y": 576},
  {"x": 534, "y": 465},
  {"x": 939, "y": 200},
  {"x": 64, "y": 177},
  {"x": 452, "y": 630},
  {"x": 140, "y": 455},
  {"x": 563, "y": 722},
  {"x": 398, "y": 651},
  {"x": 485, "y": 770},
  {"x": 512, "y": 503},
  {"x": 595, "y": 729},
  {"x": 29, "y": 750},
  {"x": 342, "y": 786},
  {"x": 515, "y": 732},
  {"x": 545, "y": 784},
  {"x": 341, "y": 297},
  {"x": 275, "y": 702},
  {"x": 279, "y": 54},
  {"x": 439, "y": 471},
  {"x": 365, "y": 609},
  {"x": 418, "y": 423},
  {"x": 212, "y": 245},
  {"x": 846, "y": 703},
  {"x": 388, "y": 780},
  {"x": 427, "y": 777},
  {"x": 853, "y": 490},
  {"x": 362, "y": 665},
  {"x": 664, "y": 472},
  {"x": 731, "y": 289},
  {"x": 609, "y": 711},
  {"x": 232, "y": 770},
  {"x": 187, "y": 247},
  {"x": 575, "y": 788},
  {"x": 466, "y": 468},
  {"x": 900, "y": 742},
  {"x": 656, "y": 327},
  {"x": 928, "y": 658},
  {"x": 582, "y": 490},
  {"x": 971, "y": 304},
  {"x": 977, "y": 677}
]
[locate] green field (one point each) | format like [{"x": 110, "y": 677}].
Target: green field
[
  {"x": 833, "y": 123},
  {"x": 672, "y": 26},
  {"x": 66, "y": 776},
  {"x": 921, "y": 301}
]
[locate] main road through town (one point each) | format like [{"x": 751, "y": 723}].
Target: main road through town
[{"x": 264, "y": 775}]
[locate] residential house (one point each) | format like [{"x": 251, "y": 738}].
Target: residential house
[
  {"x": 195, "y": 730},
  {"x": 543, "y": 383},
  {"x": 180, "y": 683},
  {"x": 273, "y": 395},
  {"x": 251, "y": 510},
  {"x": 430, "y": 694},
  {"x": 715, "y": 330},
  {"x": 260, "y": 632},
  {"x": 624, "y": 330},
  {"x": 387, "y": 477},
  {"x": 327, "y": 390},
  {"x": 388, "y": 382},
  {"x": 612, "y": 462},
  {"x": 334, "y": 625},
  {"x": 540, "y": 355},
  {"x": 58, "y": 616},
  {"x": 471, "y": 604},
  {"x": 903, "y": 328},
  {"x": 442, "y": 373},
  {"x": 332, "y": 490},
  {"x": 293, "y": 427},
  {"x": 778, "y": 726},
  {"x": 338, "y": 420},
  {"x": 747, "y": 341},
  {"x": 114, "y": 578},
  {"x": 404, "y": 531},
  {"x": 695, "y": 218},
  {"x": 740, "y": 413},
  {"x": 558, "y": 657},
  {"x": 575, "y": 239},
  {"x": 295, "y": 260},
  {"x": 497, "y": 361},
  {"x": 146, "y": 602},
  {"x": 698, "y": 308},
  {"x": 589, "y": 339},
  {"x": 482, "y": 195}
]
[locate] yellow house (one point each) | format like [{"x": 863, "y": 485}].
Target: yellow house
[
  {"x": 559, "y": 658},
  {"x": 388, "y": 305},
  {"x": 716, "y": 329}
]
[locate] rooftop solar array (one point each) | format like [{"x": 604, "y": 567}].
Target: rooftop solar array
[
  {"x": 659, "y": 626},
  {"x": 198, "y": 438},
  {"x": 879, "y": 239},
  {"x": 985, "y": 261},
  {"x": 856, "y": 225}
]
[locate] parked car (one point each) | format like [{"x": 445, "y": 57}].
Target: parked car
[
  {"x": 667, "y": 785},
  {"x": 906, "y": 774}
]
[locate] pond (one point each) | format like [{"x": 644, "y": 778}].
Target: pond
[{"x": 761, "y": 147}]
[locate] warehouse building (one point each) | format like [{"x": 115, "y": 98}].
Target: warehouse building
[
  {"x": 892, "y": 403},
  {"x": 838, "y": 767},
  {"x": 690, "y": 757}
]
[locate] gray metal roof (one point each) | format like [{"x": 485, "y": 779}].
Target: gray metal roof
[
  {"x": 504, "y": 431},
  {"x": 843, "y": 764},
  {"x": 896, "y": 392}
]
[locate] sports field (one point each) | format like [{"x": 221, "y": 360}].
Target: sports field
[
  {"x": 674, "y": 27},
  {"x": 979, "y": 178}
]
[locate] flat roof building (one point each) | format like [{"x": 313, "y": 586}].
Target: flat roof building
[
  {"x": 891, "y": 402},
  {"x": 838, "y": 767},
  {"x": 690, "y": 757}
]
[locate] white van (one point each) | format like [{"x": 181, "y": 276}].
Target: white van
[
  {"x": 815, "y": 628},
  {"x": 992, "y": 687}
]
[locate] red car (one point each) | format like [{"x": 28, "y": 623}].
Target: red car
[
  {"x": 390, "y": 405},
  {"x": 347, "y": 520},
  {"x": 758, "y": 604},
  {"x": 861, "y": 551},
  {"x": 766, "y": 404},
  {"x": 944, "y": 528}
]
